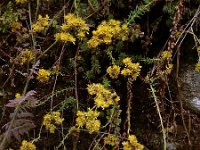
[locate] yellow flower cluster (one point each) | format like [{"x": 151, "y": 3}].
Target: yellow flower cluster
[
  {"x": 50, "y": 119},
  {"x": 77, "y": 23},
  {"x": 17, "y": 95},
  {"x": 89, "y": 119},
  {"x": 65, "y": 37},
  {"x": 197, "y": 67},
  {"x": 108, "y": 31},
  {"x": 43, "y": 75},
  {"x": 132, "y": 144},
  {"x": 21, "y": 1},
  {"x": 111, "y": 140},
  {"x": 104, "y": 97},
  {"x": 113, "y": 71},
  {"x": 40, "y": 24},
  {"x": 26, "y": 56},
  {"x": 165, "y": 55},
  {"x": 74, "y": 26},
  {"x": 131, "y": 69},
  {"x": 27, "y": 146}
]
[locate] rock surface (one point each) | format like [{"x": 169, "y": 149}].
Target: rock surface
[{"x": 190, "y": 88}]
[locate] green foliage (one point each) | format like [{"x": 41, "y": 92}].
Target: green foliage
[
  {"x": 139, "y": 11},
  {"x": 94, "y": 4},
  {"x": 113, "y": 116},
  {"x": 80, "y": 8},
  {"x": 70, "y": 102},
  {"x": 170, "y": 8},
  {"x": 106, "y": 82},
  {"x": 95, "y": 68},
  {"x": 57, "y": 93},
  {"x": 8, "y": 17}
]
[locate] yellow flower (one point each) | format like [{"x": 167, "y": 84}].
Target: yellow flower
[
  {"x": 75, "y": 22},
  {"x": 17, "y": 95},
  {"x": 21, "y": 1},
  {"x": 27, "y": 146},
  {"x": 124, "y": 32},
  {"x": 66, "y": 37},
  {"x": 93, "y": 125},
  {"x": 113, "y": 71},
  {"x": 114, "y": 97},
  {"x": 111, "y": 140},
  {"x": 81, "y": 35},
  {"x": 127, "y": 61},
  {"x": 104, "y": 97},
  {"x": 93, "y": 43},
  {"x": 43, "y": 75},
  {"x": 126, "y": 146},
  {"x": 131, "y": 69},
  {"x": 26, "y": 56},
  {"x": 132, "y": 139},
  {"x": 108, "y": 31},
  {"x": 89, "y": 120},
  {"x": 74, "y": 26},
  {"x": 135, "y": 70},
  {"x": 125, "y": 27},
  {"x": 113, "y": 22},
  {"x": 56, "y": 116},
  {"x": 166, "y": 55},
  {"x": 81, "y": 118},
  {"x": 40, "y": 24},
  {"x": 126, "y": 72},
  {"x": 132, "y": 144},
  {"x": 94, "y": 89},
  {"x": 101, "y": 101},
  {"x": 49, "y": 121},
  {"x": 92, "y": 114},
  {"x": 197, "y": 67}
]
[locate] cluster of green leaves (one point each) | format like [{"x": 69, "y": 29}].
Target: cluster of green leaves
[
  {"x": 139, "y": 11},
  {"x": 9, "y": 16}
]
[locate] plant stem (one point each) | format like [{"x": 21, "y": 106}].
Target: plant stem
[
  {"x": 58, "y": 64},
  {"x": 129, "y": 100},
  {"x": 30, "y": 21},
  {"x": 45, "y": 51},
  {"x": 75, "y": 78},
  {"x": 37, "y": 8},
  {"x": 63, "y": 140},
  {"x": 158, "y": 111}
]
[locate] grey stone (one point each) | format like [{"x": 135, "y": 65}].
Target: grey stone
[{"x": 190, "y": 88}]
